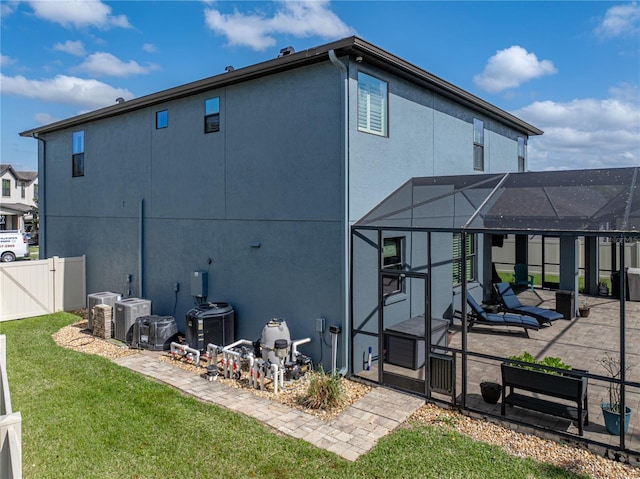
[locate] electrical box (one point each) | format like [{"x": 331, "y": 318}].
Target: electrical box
[{"x": 200, "y": 284}]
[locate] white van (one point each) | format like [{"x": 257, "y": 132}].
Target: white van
[{"x": 13, "y": 244}]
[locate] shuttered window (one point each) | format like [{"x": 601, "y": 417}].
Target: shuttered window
[
  {"x": 478, "y": 144},
  {"x": 457, "y": 258},
  {"x": 372, "y": 105}
]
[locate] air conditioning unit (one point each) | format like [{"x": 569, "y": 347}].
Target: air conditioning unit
[
  {"x": 126, "y": 312},
  {"x": 105, "y": 297}
]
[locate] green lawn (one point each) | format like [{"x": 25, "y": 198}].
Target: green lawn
[
  {"x": 537, "y": 279},
  {"x": 85, "y": 417}
]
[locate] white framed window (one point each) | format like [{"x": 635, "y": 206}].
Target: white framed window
[
  {"x": 457, "y": 258},
  {"x": 522, "y": 153},
  {"x": 372, "y": 105},
  {"x": 478, "y": 144}
]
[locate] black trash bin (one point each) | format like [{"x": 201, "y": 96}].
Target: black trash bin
[
  {"x": 615, "y": 284},
  {"x": 566, "y": 304}
]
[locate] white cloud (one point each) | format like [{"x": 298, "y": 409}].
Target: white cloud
[
  {"x": 7, "y": 8},
  {"x": 619, "y": 21},
  {"x": 5, "y": 60},
  {"x": 74, "y": 48},
  {"x": 106, "y": 64},
  {"x": 298, "y": 18},
  {"x": 586, "y": 133},
  {"x": 78, "y": 13},
  {"x": 45, "y": 118},
  {"x": 149, "y": 48},
  {"x": 65, "y": 89},
  {"x": 511, "y": 67}
]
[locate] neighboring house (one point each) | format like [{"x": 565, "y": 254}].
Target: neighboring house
[
  {"x": 255, "y": 176},
  {"x": 18, "y": 199}
]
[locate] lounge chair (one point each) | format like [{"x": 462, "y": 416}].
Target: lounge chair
[
  {"x": 512, "y": 304},
  {"x": 480, "y": 316},
  {"x": 521, "y": 275}
]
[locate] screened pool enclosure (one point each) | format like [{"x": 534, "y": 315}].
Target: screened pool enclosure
[{"x": 420, "y": 254}]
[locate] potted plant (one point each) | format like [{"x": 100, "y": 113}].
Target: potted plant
[
  {"x": 491, "y": 391},
  {"x": 611, "y": 410},
  {"x": 584, "y": 309}
]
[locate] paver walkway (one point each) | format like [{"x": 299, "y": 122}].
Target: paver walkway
[{"x": 354, "y": 432}]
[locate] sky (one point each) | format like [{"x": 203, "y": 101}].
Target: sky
[{"x": 570, "y": 68}]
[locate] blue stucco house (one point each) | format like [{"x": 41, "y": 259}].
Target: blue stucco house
[{"x": 256, "y": 175}]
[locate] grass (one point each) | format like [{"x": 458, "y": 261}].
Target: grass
[
  {"x": 537, "y": 279},
  {"x": 85, "y": 417},
  {"x": 34, "y": 252}
]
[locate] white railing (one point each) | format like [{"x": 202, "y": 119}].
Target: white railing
[{"x": 10, "y": 425}]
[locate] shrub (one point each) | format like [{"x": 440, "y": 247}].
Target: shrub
[
  {"x": 547, "y": 361},
  {"x": 325, "y": 391}
]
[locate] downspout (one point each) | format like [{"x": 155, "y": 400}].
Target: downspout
[
  {"x": 347, "y": 257},
  {"x": 42, "y": 188},
  {"x": 141, "y": 249}
]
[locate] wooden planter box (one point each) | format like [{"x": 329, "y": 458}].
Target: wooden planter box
[{"x": 567, "y": 386}]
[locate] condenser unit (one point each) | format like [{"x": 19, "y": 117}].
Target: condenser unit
[
  {"x": 94, "y": 299},
  {"x": 126, "y": 312}
]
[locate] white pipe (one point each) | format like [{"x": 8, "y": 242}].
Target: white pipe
[
  {"x": 239, "y": 342},
  {"x": 344, "y": 72},
  {"x": 334, "y": 352},
  {"x": 182, "y": 350},
  {"x": 274, "y": 377},
  {"x": 294, "y": 347}
]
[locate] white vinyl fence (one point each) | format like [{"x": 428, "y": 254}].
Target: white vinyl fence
[
  {"x": 34, "y": 288},
  {"x": 10, "y": 425}
]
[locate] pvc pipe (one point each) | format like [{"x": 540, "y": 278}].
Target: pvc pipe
[
  {"x": 212, "y": 351},
  {"x": 334, "y": 352},
  {"x": 182, "y": 350},
  {"x": 294, "y": 347}
]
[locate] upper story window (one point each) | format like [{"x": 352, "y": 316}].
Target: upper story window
[
  {"x": 162, "y": 119},
  {"x": 372, "y": 105},
  {"x": 457, "y": 258},
  {"x": 522, "y": 153},
  {"x": 35, "y": 192},
  {"x": 478, "y": 144},
  {"x": 392, "y": 260},
  {"x": 6, "y": 187},
  {"x": 77, "y": 159},
  {"x": 22, "y": 189},
  {"x": 212, "y": 115}
]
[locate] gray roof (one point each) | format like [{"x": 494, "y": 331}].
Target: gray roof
[
  {"x": 596, "y": 201},
  {"x": 27, "y": 176},
  {"x": 351, "y": 46}
]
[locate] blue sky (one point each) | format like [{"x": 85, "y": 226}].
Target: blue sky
[{"x": 570, "y": 68}]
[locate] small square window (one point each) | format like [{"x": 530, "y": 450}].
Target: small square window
[
  {"x": 162, "y": 119},
  {"x": 212, "y": 115}
]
